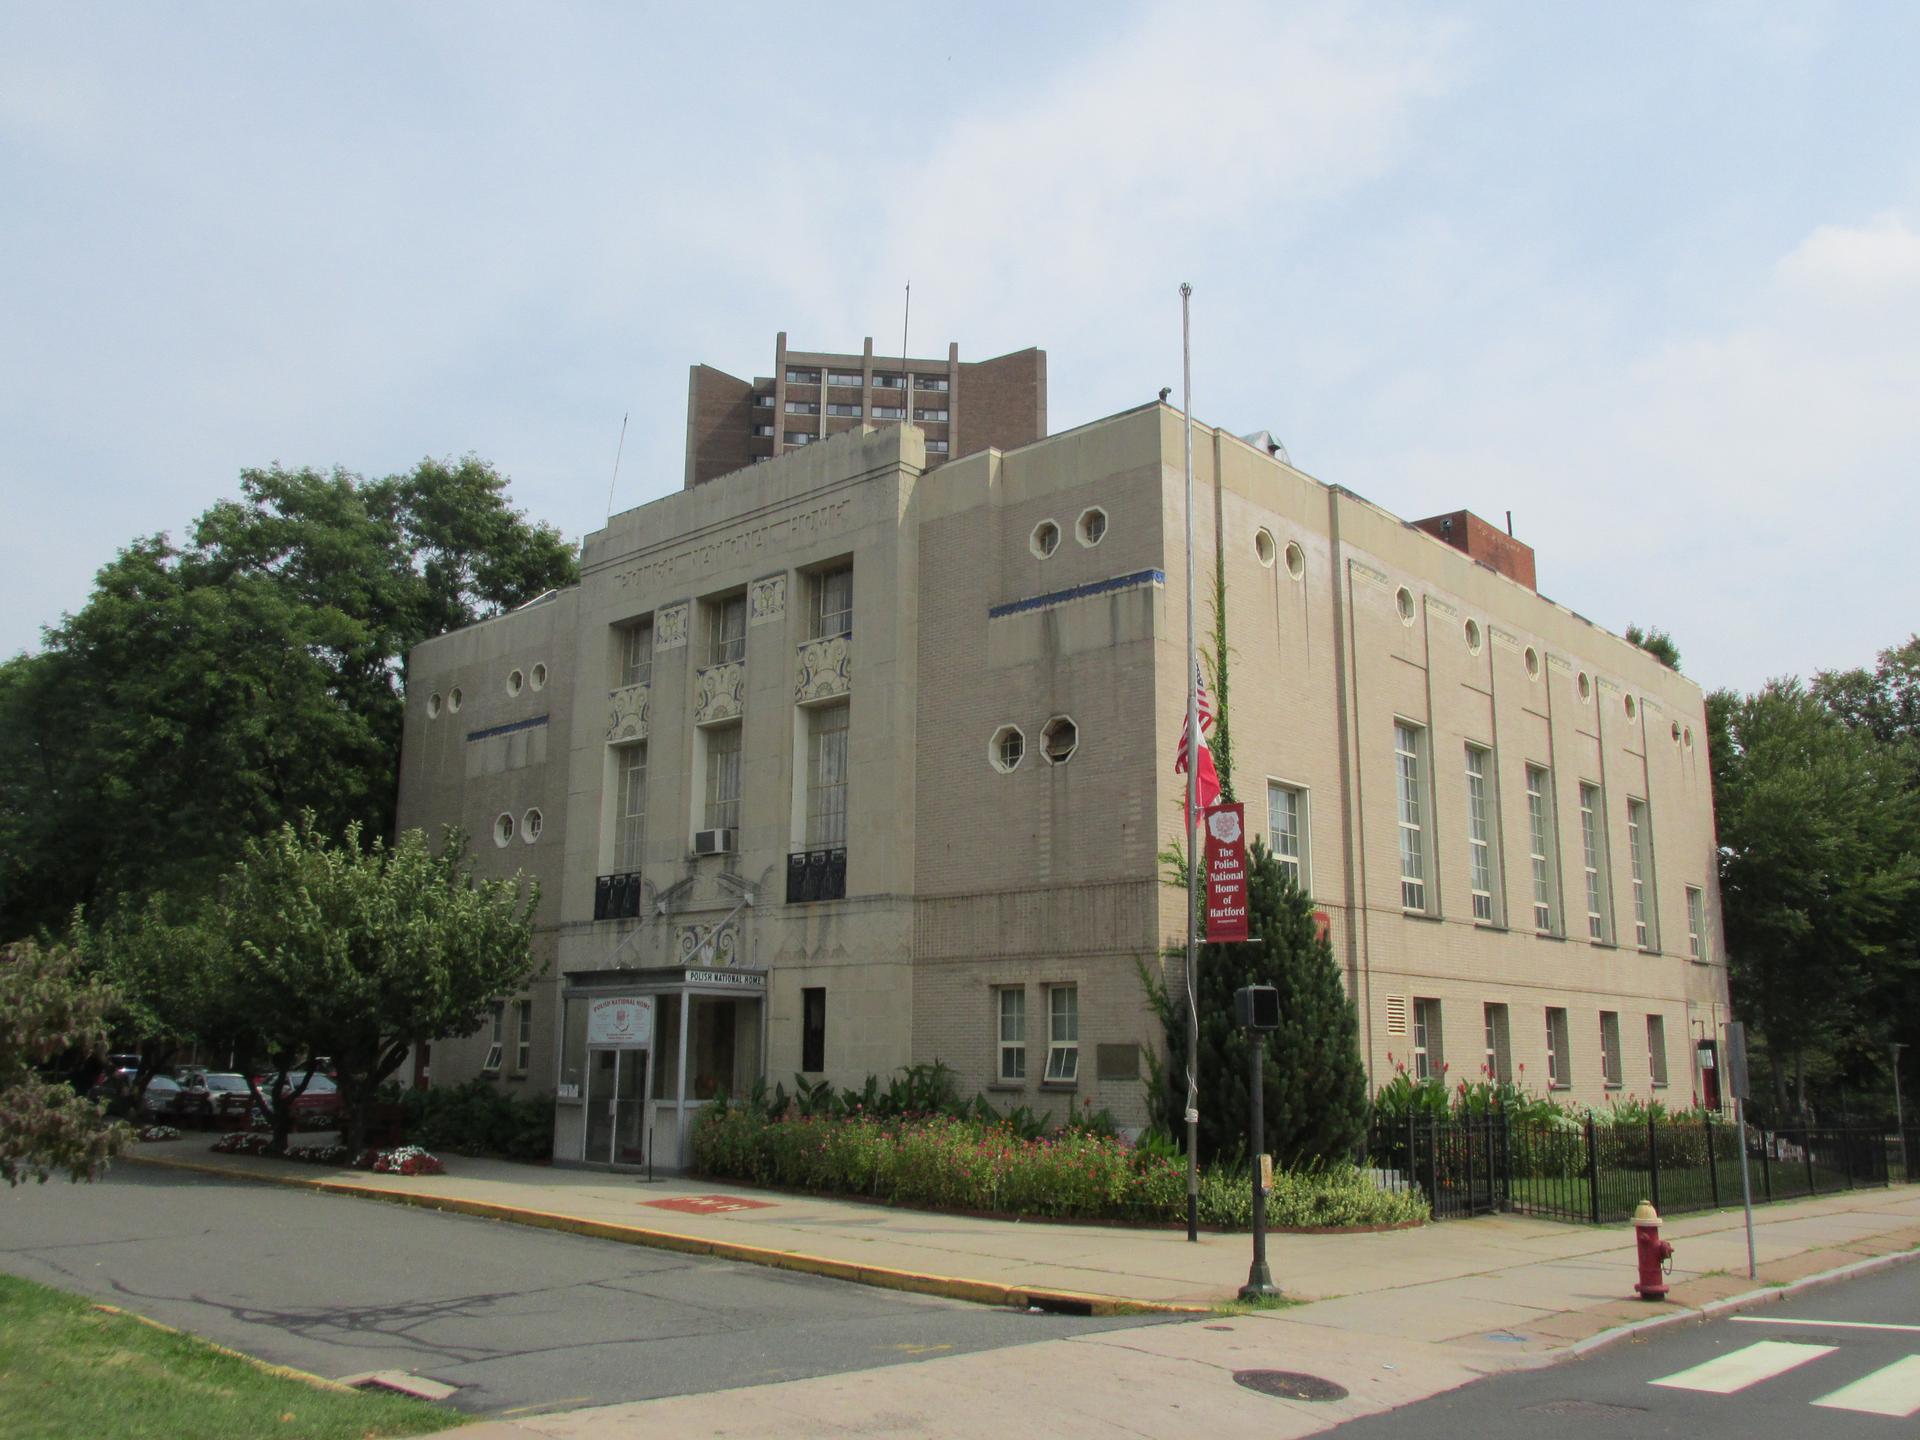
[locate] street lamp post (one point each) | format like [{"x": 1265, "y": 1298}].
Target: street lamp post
[{"x": 1256, "y": 1009}]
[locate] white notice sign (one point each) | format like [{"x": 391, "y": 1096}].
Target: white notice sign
[{"x": 624, "y": 1022}]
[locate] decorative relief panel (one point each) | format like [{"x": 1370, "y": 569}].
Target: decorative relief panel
[
  {"x": 1435, "y": 603},
  {"x": 719, "y": 694},
  {"x": 700, "y": 946},
  {"x": 1372, "y": 576},
  {"x": 631, "y": 709},
  {"x": 767, "y": 600},
  {"x": 823, "y": 669},
  {"x": 670, "y": 627}
]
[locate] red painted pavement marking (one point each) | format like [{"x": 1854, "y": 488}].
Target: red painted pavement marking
[{"x": 709, "y": 1204}]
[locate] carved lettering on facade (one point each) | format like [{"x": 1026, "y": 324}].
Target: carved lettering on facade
[{"x": 709, "y": 555}]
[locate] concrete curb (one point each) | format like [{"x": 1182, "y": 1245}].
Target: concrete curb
[
  {"x": 283, "y": 1372},
  {"x": 952, "y": 1287}
]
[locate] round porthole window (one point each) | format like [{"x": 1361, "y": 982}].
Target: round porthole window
[
  {"x": 503, "y": 830},
  {"x": 1472, "y": 628},
  {"x": 1533, "y": 663},
  {"x": 1060, "y": 739},
  {"x": 1687, "y": 737},
  {"x": 1586, "y": 687},
  {"x": 1263, "y": 546},
  {"x": 1045, "y": 539},
  {"x": 539, "y": 677},
  {"x": 1403, "y": 602},
  {"x": 433, "y": 706},
  {"x": 1296, "y": 560},
  {"x": 1676, "y": 732},
  {"x": 453, "y": 699},
  {"x": 531, "y": 825},
  {"x": 1007, "y": 748},
  {"x": 1632, "y": 709},
  {"x": 516, "y": 682},
  {"x": 1092, "y": 528}
]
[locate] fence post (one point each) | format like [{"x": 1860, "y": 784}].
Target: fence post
[
  {"x": 1653, "y": 1161},
  {"x": 1806, "y": 1148},
  {"x": 1413, "y": 1170},
  {"x": 1433, "y": 1161},
  {"x": 1467, "y": 1135},
  {"x": 1593, "y": 1172},
  {"x": 1506, "y": 1147},
  {"x": 1846, "y": 1141},
  {"x": 1713, "y": 1160},
  {"x": 1766, "y": 1159}
]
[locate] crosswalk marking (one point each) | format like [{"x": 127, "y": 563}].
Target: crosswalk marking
[
  {"x": 1762, "y": 1360},
  {"x": 1821, "y": 1324},
  {"x": 1893, "y": 1391}
]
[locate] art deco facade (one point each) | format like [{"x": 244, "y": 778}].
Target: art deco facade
[{"x": 839, "y": 763}]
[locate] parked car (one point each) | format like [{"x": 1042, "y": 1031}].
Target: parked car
[
  {"x": 161, "y": 1100},
  {"x": 214, "y": 1098},
  {"x": 317, "y": 1107}
]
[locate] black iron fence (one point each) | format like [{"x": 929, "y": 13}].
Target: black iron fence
[{"x": 1598, "y": 1171}]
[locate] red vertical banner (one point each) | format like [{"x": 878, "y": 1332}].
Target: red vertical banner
[{"x": 1226, "y": 873}]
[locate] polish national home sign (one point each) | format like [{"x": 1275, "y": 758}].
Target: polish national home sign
[
  {"x": 624, "y": 1022},
  {"x": 1226, "y": 873}
]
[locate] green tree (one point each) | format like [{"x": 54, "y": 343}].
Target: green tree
[
  {"x": 1657, "y": 643},
  {"x": 1316, "y": 1089},
  {"x": 166, "y": 964},
  {"x": 361, "y": 952},
  {"x": 208, "y": 693},
  {"x": 49, "y": 1010}
]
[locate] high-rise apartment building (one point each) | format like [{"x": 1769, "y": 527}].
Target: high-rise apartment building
[{"x": 959, "y": 406}]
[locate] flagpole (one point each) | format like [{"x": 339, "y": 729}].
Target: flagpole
[{"x": 1193, "y": 780}]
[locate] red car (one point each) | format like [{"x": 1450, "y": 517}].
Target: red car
[{"x": 317, "y": 1107}]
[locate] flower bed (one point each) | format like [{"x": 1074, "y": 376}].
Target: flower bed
[
  {"x": 407, "y": 1160},
  {"x": 951, "y": 1164},
  {"x": 159, "y": 1132}
]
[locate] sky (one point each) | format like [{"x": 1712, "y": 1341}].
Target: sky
[{"x": 1648, "y": 276}]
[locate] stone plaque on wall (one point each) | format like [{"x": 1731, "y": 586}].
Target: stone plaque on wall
[{"x": 670, "y": 627}]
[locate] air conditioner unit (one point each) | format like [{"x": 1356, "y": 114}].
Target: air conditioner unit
[{"x": 713, "y": 842}]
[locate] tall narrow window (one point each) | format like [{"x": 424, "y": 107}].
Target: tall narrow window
[
  {"x": 522, "y": 1036},
  {"x": 723, "y": 778},
  {"x": 1640, "y": 846},
  {"x": 830, "y": 604},
  {"x": 1499, "y": 1062},
  {"x": 1012, "y": 1020},
  {"x": 1063, "y": 1033},
  {"x": 827, "y": 777},
  {"x": 630, "y": 819},
  {"x": 1287, "y": 829},
  {"x": 1540, "y": 846},
  {"x": 1428, "y": 1059},
  {"x": 1610, "y": 1047},
  {"x": 813, "y": 1029},
  {"x": 636, "y": 656},
  {"x": 1413, "y": 860},
  {"x": 496, "y": 1039},
  {"x": 1696, "y": 923},
  {"x": 727, "y": 631},
  {"x": 1593, "y": 857},
  {"x": 1480, "y": 857},
  {"x": 1559, "y": 1054},
  {"x": 1657, "y": 1050}
]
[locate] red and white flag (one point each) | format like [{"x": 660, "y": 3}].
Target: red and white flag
[{"x": 1207, "y": 779}]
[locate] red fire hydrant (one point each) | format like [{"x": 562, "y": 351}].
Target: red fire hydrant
[{"x": 1655, "y": 1253}]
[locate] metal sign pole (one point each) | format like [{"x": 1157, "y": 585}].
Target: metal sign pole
[
  {"x": 1193, "y": 774},
  {"x": 1737, "y": 1083}
]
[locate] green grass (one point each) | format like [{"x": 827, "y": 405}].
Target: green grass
[
  {"x": 71, "y": 1372},
  {"x": 1229, "y": 1308},
  {"x": 1682, "y": 1190}
]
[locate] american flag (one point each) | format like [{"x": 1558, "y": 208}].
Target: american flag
[{"x": 1207, "y": 780}]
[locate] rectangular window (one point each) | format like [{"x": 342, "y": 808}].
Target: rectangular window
[
  {"x": 723, "y": 778},
  {"x": 1499, "y": 1063},
  {"x": 523, "y": 1037},
  {"x": 889, "y": 412},
  {"x": 630, "y": 819},
  {"x": 1428, "y": 1059},
  {"x": 883, "y": 381},
  {"x": 1482, "y": 864},
  {"x": 1657, "y": 1050},
  {"x": 727, "y": 630},
  {"x": 1696, "y": 923},
  {"x": 1640, "y": 847},
  {"x": 764, "y": 402},
  {"x": 803, "y": 377},
  {"x": 930, "y": 382},
  {"x": 923, "y": 413},
  {"x": 636, "y": 653},
  {"x": 1287, "y": 829},
  {"x": 813, "y": 1029},
  {"x": 1610, "y": 1047},
  {"x": 830, "y": 603},
  {"x": 1540, "y": 846},
  {"x": 1593, "y": 856},
  {"x": 803, "y": 407},
  {"x": 936, "y": 447},
  {"x": 1559, "y": 1052},
  {"x": 491, "y": 1065},
  {"x": 827, "y": 777},
  {"x": 845, "y": 377},
  {"x": 1012, "y": 1004},
  {"x": 1063, "y": 1033},
  {"x": 851, "y": 411},
  {"x": 1413, "y": 862}
]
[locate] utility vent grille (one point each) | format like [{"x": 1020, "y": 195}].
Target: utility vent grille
[{"x": 1396, "y": 1014}]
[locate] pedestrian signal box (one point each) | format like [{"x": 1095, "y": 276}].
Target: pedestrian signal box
[{"x": 1256, "y": 1007}]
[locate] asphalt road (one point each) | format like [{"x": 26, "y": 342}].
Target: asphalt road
[
  {"x": 1837, "y": 1361},
  {"x": 518, "y": 1318}
]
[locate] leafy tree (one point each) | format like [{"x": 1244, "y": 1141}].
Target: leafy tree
[
  {"x": 1657, "y": 643},
  {"x": 208, "y": 693},
  {"x": 47, "y": 1011},
  {"x": 1316, "y": 1090},
  {"x": 360, "y": 953},
  {"x": 166, "y": 964}
]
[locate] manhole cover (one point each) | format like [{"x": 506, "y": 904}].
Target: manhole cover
[{"x": 1289, "y": 1385}]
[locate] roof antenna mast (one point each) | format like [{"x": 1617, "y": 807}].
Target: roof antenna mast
[
  {"x": 618, "y": 451},
  {"x": 906, "y": 401}
]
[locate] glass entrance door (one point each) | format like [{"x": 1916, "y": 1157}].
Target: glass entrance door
[{"x": 616, "y": 1125}]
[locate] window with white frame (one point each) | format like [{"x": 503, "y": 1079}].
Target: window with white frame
[
  {"x": 522, "y": 1036},
  {"x": 1559, "y": 1051},
  {"x": 630, "y": 816},
  {"x": 1610, "y": 1048},
  {"x": 1640, "y": 847},
  {"x": 1011, "y": 1005},
  {"x": 1593, "y": 859},
  {"x": 1482, "y": 863},
  {"x": 723, "y": 777},
  {"x": 1063, "y": 1033},
  {"x": 491, "y": 1065},
  {"x": 1540, "y": 845},
  {"x": 1657, "y": 1050},
  {"x": 1428, "y": 1059},
  {"x": 1287, "y": 828},
  {"x": 1696, "y": 923},
  {"x": 727, "y": 630},
  {"x": 1413, "y": 860},
  {"x": 636, "y": 653},
  {"x": 1499, "y": 1062},
  {"x": 827, "y": 776},
  {"x": 830, "y": 603}
]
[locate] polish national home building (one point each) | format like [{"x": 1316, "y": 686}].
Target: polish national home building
[{"x": 838, "y": 762}]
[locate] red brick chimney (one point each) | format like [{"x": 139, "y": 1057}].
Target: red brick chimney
[{"x": 1494, "y": 548}]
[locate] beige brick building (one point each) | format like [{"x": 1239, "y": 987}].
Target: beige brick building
[{"x": 843, "y": 763}]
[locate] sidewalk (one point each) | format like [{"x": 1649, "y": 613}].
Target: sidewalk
[{"x": 1395, "y": 1315}]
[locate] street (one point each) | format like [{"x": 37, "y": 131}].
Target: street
[
  {"x": 1839, "y": 1360},
  {"x": 519, "y": 1319}
]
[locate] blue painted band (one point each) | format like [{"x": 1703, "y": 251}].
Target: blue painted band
[
  {"x": 1078, "y": 592},
  {"x": 533, "y": 724}
]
